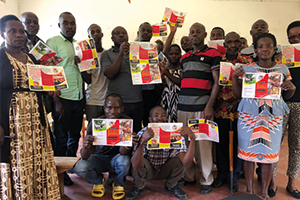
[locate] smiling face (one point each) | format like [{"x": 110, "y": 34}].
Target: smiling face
[
  {"x": 31, "y": 23},
  {"x": 158, "y": 115},
  {"x": 67, "y": 25},
  {"x": 265, "y": 48},
  {"x": 119, "y": 35},
  {"x": 145, "y": 32},
  {"x": 14, "y": 34},
  {"x": 95, "y": 32},
  {"x": 113, "y": 107}
]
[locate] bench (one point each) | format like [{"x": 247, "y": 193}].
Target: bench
[{"x": 63, "y": 164}]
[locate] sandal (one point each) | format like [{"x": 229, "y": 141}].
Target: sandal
[
  {"x": 118, "y": 192},
  {"x": 99, "y": 190}
]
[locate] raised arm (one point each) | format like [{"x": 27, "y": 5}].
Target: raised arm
[{"x": 169, "y": 40}]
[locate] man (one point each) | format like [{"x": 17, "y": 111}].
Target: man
[
  {"x": 244, "y": 43},
  {"x": 186, "y": 44},
  {"x": 116, "y": 67},
  {"x": 68, "y": 108},
  {"x": 227, "y": 103},
  {"x": 217, "y": 33},
  {"x": 97, "y": 159},
  {"x": 97, "y": 88},
  {"x": 162, "y": 163}
]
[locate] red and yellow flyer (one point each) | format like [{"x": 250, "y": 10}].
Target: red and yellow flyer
[
  {"x": 144, "y": 63},
  {"x": 159, "y": 29},
  {"x": 112, "y": 132},
  {"x": 46, "y": 78},
  {"x": 291, "y": 55},
  {"x": 219, "y": 45},
  {"x": 86, "y": 51},
  {"x": 204, "y": 129},
  {"x": 226, "y": 70},
  {"x": 174, "y": 17},
  {"x": 166, "y": 136},
  {"x": 262, "y": 85}
]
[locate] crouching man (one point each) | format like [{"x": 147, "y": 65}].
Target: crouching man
[
  {"x": 113, "y": 159},
  {"x": 160, "y": 164}
]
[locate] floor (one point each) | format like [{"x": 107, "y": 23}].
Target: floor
[{"x": 155, "y": 189}]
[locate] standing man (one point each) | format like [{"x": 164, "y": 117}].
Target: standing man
[
  {"x": 97, "y": 82},
  {"x": 68, "y": 108},
  {"x": 217, "y": 33}
]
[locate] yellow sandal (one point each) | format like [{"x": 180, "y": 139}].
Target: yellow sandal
[
  {"x": 118, "y": 192},
  {"x": 99, "y": 190}
]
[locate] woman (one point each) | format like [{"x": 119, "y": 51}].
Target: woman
[
  {"x": 26, "y": 151},
  {"x": 260, "y": 120}
]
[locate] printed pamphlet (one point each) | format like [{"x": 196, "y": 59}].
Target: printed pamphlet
[
  {"x": 159, "y": 29},
  {"x": 219, "y": 45},
  {"x": 291, "y": 55},
  {"x": 174, "y": 17},
  {"x": 204, "y": 129},
  {"x": 226, "y": 70}
]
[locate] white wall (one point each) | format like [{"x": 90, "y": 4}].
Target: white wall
[{"x": 231, "y": 15}]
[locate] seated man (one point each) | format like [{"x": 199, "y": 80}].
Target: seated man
[
  {"x": 97, "y": 159},
  {"x": 160, "y": 164}
]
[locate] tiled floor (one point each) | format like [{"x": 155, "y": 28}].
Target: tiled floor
[{"x": 154, "y": 189}]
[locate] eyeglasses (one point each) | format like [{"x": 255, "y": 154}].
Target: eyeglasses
[{"x": 294, "y": 37}]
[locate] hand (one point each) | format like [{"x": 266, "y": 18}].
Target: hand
[
  {"x": 1, "y": 135},
  {"x": 208, "y": 113},
  {"x": 187, "y": 131},
  {"x": 76, "y": 60},
  {"x": 232, "y": 107},
  {"x": 239, "y": 72},
  {"x": 135, "y": 139},
  {"x": 124, "y": 48},
  {"x": 88, "y": 141},
  {"x": 288, "y": 85},
  {"x": 162, "y": 68},
  {"x": 278, "y": 58},
  {"x": 147, "y": 135},
  {"x": 58, "y": 110},
  {"x": 173, "y": 28}
]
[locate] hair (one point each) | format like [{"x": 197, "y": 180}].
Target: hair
[
  {"x": 220, "y": 29},
  {"x": 243, "y": 38},
  {"x": 292, "y": 25},
  {"x": 176, "y": 46},
  {"x": 159, "y": 41},
  {"x": 151, "y": 111},
  {"x": 64, "y": 13},
  {"x": 91, "y": 27},
  {"x": 145, "y": 23},
  {"x": 114, "y": 95},
  {"x": 6, "y": 18},
  {"x": 265, "y": 35}
]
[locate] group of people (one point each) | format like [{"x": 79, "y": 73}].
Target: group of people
[{"x": 190, "y": 90}]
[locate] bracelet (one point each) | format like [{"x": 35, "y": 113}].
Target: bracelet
[{"x": 128, "y": 148}]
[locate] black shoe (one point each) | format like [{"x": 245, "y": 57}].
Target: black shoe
[
  {"x": 134, "y": 193},
  {"x": 176, "y": 192},
  {"x": 295, "y": 193},
  {"x": 205, "y": 189},
  {"x": 235, "y": 187},
  {"x": 217, "y": 183},
  {"x": 67, "y": 179},
  {"x": 271, "y": 192},
  {"x": 183, "y": 182}
]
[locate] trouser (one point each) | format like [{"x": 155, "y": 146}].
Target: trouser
[
  {"x": 93, "y": 111},
  {"x": 203, "y": 153},
  {"x": 135, "y": 111},
  {"x": 92, "y": 168},
  {"x": 172, "y": 170},
  {"x": 67, "y": 129}
]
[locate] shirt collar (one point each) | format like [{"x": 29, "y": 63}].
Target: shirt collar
[{"x": 65, "y": 39}]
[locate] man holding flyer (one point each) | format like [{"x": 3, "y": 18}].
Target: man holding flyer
[{"x": 160, "y": 164}]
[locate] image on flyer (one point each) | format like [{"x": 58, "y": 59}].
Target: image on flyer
[
  {"x": 86, "y": 51},
  {"x": 204, "y": 129},
  {"x": 112, "y": 132},
  {"x": 144, "y": 63},
  {"x": 219, "y": 45},
  {"x": 262, "y": 85},
  {"x": 46, "y": 78},
  {"x": 226, "y": 70},
  {"x": 174, "y": 17},
  {"x": 159, "y": 29},
  {"x": 291, "y": 55},
  {"x": 45, "y": 55},
  {"x": 166, "y": 136}
]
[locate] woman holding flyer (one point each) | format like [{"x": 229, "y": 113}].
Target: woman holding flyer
[
  {"x": 260, "y": 119},
  {"x": 27, "y": 162}
]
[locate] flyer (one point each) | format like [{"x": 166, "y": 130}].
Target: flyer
[
  {"x": 262, "y": 85},
  {"x": 86, "y": 51},
  {"x": 166, "y": 136},
  {"x": 159, "y": 29},
  {"x": 291, "y": 55},
  {"x": 46, "y": 78},
  {"x": 219, "y": 45},
  {"x": 144, "y": 63},
  {"x": 226, "y": 70},
  {"x": 173, "y": 17},
  {"x": 204, "y": 129},
  {"x": 45, "y": 55},
  {"x": 112, "y": 132}
]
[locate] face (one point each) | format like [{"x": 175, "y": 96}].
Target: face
[
  {"x": 244, "y": 44},
  {"x": 258, "y": 28},
  {"x": 197, "y": 34},
  {"x": 216, "y": 34},
  {"x": 30, "y": 23},
  {"x": 158, "y": 115},
  {"x": 174, "y": 55},
  {"x": 95, "y": 32},
  {"x": 113, "y": 107},
  {"x": 67, "y": 25},
  {"x": 265, "y": 49},
  {"x": 145, "y": 33},
  {"x": 14, "y": 34},
  {"x": 232, "y": 44},
  {"x": 186, "y": 44},
  {"x": 294, "y": 35},
  {"x": 119, "y": 35}
]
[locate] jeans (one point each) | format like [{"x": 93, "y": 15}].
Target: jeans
[{"x": 92, "y": 168}]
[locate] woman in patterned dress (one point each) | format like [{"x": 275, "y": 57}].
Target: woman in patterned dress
[
  {"x": 27, "y": 164},
  {"x": 260, "y": 120}
]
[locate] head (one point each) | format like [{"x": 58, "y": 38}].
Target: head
[
  {"x": 160, "y": 45},
  {"x": 145, "y": 32},
  {"x": 259, "y": 27},
  {"x": 197, "y": 34},
  {"x": 119, "y": 35},
  {"x": 157, "y": 115},
  {"x": 293, "y": 32},
  {"x": 113, "y": 106},
  {"x": 67, "y": 24},
  {"x": 217, "y": 33},
  {"x": 95, "y": 32},
  {"x": 12, "y": 31},
  {"x": 31, "y": 23},
  {"x": 265, "y": 46},
  {"x": 186, "y": 44},
  {"x": 174, "y": 54},
  {"x": 244, "y": 43},
  {"x": 232, "y": 43}
]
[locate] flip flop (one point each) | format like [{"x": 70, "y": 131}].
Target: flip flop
[
  {"x": 118, "y": 192},
  {"x": 99, "y": 190}
]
